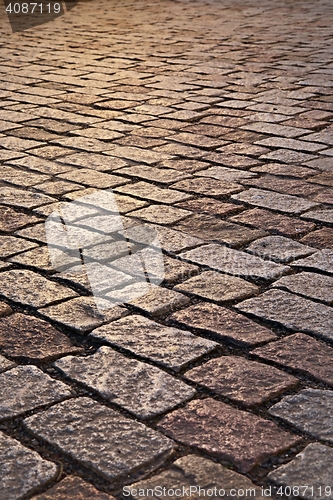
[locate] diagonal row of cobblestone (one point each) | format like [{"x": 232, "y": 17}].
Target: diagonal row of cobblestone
[{"x": 212, "y": 123}]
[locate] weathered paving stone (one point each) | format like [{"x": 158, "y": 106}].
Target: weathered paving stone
[
  {"x": 322, "y": 238},
  {"x": 27, "y": 387},
  {"x": 301, "y": 353},
  {"x": 234, "y": 262},
  {"x": 22, "y": 470},
  {"x": 81, "y": 314},
  {"x": 273, "y": 222},
  {"x": 24, "y": 336},
  {"x": 11, "y": 221},
  {"x": 142, "y": 389},
  {"x": 288, "y": 156},
  {"x": 226, "y": 174},
  {"x": 207, "y": 186},
  {"x": 27, "y": 287},
  {"x": 239, "y": 437},
  {"x": 9, "y": 245},
  {"x": 279, "y": 248},
  {"x": 210, "y": 206},
  {"x": 323, "y": 261},
  {"x": 218, "y": 287},
  {"x": 73, "y": 488},
  {"x": 310, "y": 411},
  {"x": 93, "y": 161},
  {"x": 5, "y": 364},
  {"x": 315, "y": 462},
  {"x": 40, "y": 259},
  {"x": 223, "y": 323},
  {"x": 175, "y": 241},
  {"x": 92, "y": 178},
  {"x": 161, "y": 214},
  {"x": 149, "y": 191},
  {"x": 23, "y": 198},
  {"x": 274, "y": 201},
  {"x": 5, "y": 309},
  {"x": 319, "y": 215},
  {"x": 168, "y": 346},
  {"x": 163, "y": 175},
  {"x": 291, "y": 311},
  {"x": 36, "y": 232},
  {"x": 244, "y": 381},
  {"x": 160, "y": 301},
  {"x": 315, "y": 286},
  {"x": 114, "y": 446},
  {"x": 175, "y": 270},
  {"x": 196, "y": 472}
]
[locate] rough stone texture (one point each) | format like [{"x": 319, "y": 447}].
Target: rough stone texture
[
  {"x": 311, "y": 411},
  {"x": 9, "y": 245},
  {"x": 223, "y": 323},
  {"x": 22, "y": 470},
  {"x": 23, "y": 198},
  {"x": 210, "y": 206},
  {"x": 301, "y": 353},
  {"x": 210, "y": 228},
  {"x": 315, "y": 462},
  {"x": 149, "y": 191},
  {"x": 273, "y": 222},
  {"x": 323, "y": 238},
  {"x": 196, "y": 472},
  {"x": 5, "y": 309},
  {"x": 100, "y": 438},
  {"x": 320, "y": 215},
  {"x": 244, "y": 381},
  {"x": 207, "y": 186},
  {"x": 23, "y": 336},
  {"x": 32, "y": 289},
  {"x": 274, "y": 201},
  {"x": 168, "y": 346},
  {"x": 160, "y": 301},
  {"x": 234, "y": 262},
  {"x": 5, "y": 364},
  {"x": 218, "y": 287},
  {"x": 292, "y": 311},
  {"x": 279, "y": 248},
  {"x": 27, "y": 387},
  {"x": 176, "y": 270},
  {"x": 226, "y": 433},
  {"x": 10, "y": 220},
  {"x": 142, "y": 389},
  {"x": 323, "y": 261},
  {"x": 81, "y": 314},
  {"x": 73, "y": 488},
  {"x": 315, "y": 286},
  {"x": 161, "y": 214}
]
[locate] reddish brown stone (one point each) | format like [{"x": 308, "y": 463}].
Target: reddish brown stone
[
  {"x": 29, "y": 337},
  {"x": 248, "y": 382},
  {"x": 281, "y": 185},
  {"x": 324, "y": 196},
  {"x": 303, "y": 353},
  {"x": 11, "y": 220},
  {"x": 5, "y": 309},
  {"x": 272, "y": 222},
  {"x": 210, "y": 206},
  {"x": 223, "y": 323},
  {"x": 220, "y": 430},
  {"x": 73, "y": 488},
  {"x": 323, "y": 238}
]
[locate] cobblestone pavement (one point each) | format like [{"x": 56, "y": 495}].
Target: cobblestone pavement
[{"x": 212, "y": 121}]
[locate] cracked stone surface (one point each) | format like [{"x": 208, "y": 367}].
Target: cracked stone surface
[
  {"x": 314, "y": 461},
  {"x": 27, "y": 387},
  {"x": 142, "y": 389},
  {"x": 114, "y": 446},
  {"x": 195, "y": 471},
  {"x": 168, "y": 346},
  {"x": 239, "y": 437},
  {"x": 22, "y": 470}
]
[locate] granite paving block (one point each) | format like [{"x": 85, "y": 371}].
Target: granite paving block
[
  {"x": 5, "y": 364},
  {"x": 73, "y": 488},
  {"x": 322, "y": 261},
  {"x": 32, "y": 289},
  {"x": 291, "y": 311},
  {"x": 313, "y": 285},
  {"x": 114, "y": 446},
  {"x": 161, "y": 214},
  {"x": 149, "y": 191},
  {"x": 234, "y": 262},
  {"x": 176, "y": 270},
  {"x": 195, "y": 472},
  {"x": 319, "y": 215},
  {"x": 322, "y": 238},
  {"x": 315, "y": 462},
  {"x": 310, "y": 411},
  {"x": 22, "y": 470},
  {"x": 23, "y": 198},
  {"x": 279, "y": 248},
  {"x": 9, "y": 245},
  {"x": 165, "y": 345},
  {"x": 301, "y": 353},
  {"x": 175, "y": 241},
  {"x": 140, "y": 388},
  {"x": 274, "y": 201},
  {"x": 210, "y": 206},
  {"x": 27, "y": 387},
  {"x": 218, "y": 287},
  {"x": 207, "y": 186},
  {"x": 160, "y": 301},
  {"x": 244, "y": 381},
  {"x": 239, "y": 437},
  {"x": 81, "y": 314},
  {"x": 93, "y": 178},
  {"x": 5, "y": 309},
  {"x": 10, "y": 220},
  {"x": 23, "y": 336},
  {"x": 223, "y": 323}
]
